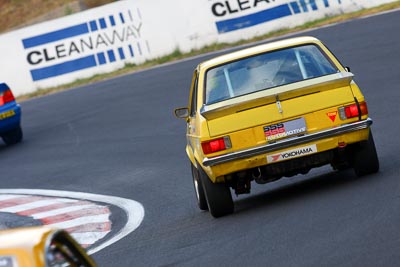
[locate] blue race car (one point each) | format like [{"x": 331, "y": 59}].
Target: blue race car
[{"x": 10, "y": 116}]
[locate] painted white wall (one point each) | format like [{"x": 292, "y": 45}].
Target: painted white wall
[{"x": 52, "y": 53}]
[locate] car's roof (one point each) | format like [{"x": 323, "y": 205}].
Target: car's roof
[{"x": 258, "y": 50}]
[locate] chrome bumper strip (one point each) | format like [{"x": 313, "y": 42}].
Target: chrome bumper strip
[{"x": 360, "y": 125}]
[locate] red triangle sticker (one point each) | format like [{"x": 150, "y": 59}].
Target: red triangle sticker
[{"x": 332, "y": 115}]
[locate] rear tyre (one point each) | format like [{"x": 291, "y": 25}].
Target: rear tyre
[
  {"x": 198, "y": 188},
  {"x": 365, "y": 158},
  {"x": 218, "y": 196},
  {"x": 12, "y": 136}
]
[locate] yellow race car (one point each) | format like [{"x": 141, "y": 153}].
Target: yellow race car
[
  {"x": 41, "y": 247},
  {"x": 269, "y": 111}
]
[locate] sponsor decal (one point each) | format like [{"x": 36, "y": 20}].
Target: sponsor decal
[
  {"x": 234, "y": 15},
  {"x": 332, "y": 115},
  {"x": 105, "y": 40},
  {"x": 285, "y": 129},
  {"x": 293, "y": 153}
]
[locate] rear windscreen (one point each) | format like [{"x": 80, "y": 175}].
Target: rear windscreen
[{"x": 266, "y": 71}]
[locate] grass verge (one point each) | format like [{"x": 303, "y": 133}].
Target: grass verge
[{"x": 177, "y": 55}]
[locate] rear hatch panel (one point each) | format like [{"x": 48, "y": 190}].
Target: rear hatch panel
[{"x": 258, "y": 117}]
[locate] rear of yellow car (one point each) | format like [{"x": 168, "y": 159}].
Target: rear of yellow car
[{"x": 270, "y": 111}]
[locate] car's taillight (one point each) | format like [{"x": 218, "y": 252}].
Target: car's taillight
[
  {"x": 216, "y": 145},
  {"x": 6, "y": 96},
  {"x": 355, "y": 110}
]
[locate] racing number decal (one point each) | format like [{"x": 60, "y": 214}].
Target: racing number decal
[{"x": 274, "y": 129}]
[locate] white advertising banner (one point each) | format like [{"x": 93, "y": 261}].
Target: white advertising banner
[{"x": 132, "y": 31}]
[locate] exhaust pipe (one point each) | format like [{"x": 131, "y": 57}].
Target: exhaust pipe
[
  {"x": 258, "y": 176},
  {"x": 261, "y": 177}
]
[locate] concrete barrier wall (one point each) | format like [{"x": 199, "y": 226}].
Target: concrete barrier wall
[{"x": 132, "y": 31}]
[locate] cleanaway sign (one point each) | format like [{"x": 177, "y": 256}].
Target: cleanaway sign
[
  {"x": 107, "y": 38},
  {"x": 111, "y": 38}
]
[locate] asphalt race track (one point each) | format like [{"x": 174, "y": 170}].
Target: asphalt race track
[{"x": 119, "y": 138}]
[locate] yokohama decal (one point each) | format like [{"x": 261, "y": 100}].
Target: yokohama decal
[{"x": 293, "y": 153}]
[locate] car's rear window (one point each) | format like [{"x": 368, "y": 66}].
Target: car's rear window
[{"x": 266, "y": 71}]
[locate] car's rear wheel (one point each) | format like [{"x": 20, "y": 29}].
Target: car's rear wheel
[
  {"x": 218, "y": 196},
  {"x": 198, "y": 188},
  {"x": 365, "y": 159},
  {"x": 12, "y": 136}
]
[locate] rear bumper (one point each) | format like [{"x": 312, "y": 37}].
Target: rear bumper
[
  {"x": 7, "y": 121},
  {"x": 348, "y": 128}
]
